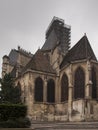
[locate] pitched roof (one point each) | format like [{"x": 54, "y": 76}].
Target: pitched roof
[
  {"x": 39, "y": 62},
  {"x": 51, "y": 42},
  {"x": 14, "y": 55},
  {"x": 82, "y": 50}
]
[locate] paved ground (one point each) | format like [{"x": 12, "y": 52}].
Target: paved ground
[
  {"x": 59, "y": 126},
  {"x": 65, "y": 126}
]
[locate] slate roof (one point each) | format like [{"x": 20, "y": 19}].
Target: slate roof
[
  {"x": 40, "y": 62},
  {"x": 82, "y": 50},
  {"x": 14, "y": 55},
  {"x": 51, "y": 42}
]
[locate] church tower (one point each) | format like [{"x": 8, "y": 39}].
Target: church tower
[{"x": 57, "y": 41}]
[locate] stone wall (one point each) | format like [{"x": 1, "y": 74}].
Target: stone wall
[
  {"x": 73, "y": 110},
  {"x": 50, "y": 112}
]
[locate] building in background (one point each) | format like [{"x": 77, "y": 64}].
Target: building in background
[
  {"x": 57, "y": 82},
  {"x": 15, "y": 61}
]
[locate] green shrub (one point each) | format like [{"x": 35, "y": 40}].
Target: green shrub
[
  {"x": 23, "y": 122},
  {"x": 18, "y": 123},
  {"x": 12, "y": 111}
]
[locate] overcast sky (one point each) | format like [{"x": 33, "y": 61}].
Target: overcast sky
[{"x": 24, "y": 22}]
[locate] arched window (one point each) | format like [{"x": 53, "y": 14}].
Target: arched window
[
  {"x": 51, "y": 91},
  {"x": 64, "y": 88},
  {"x": 38, "y": 95},
  {"x": 94, "y": 88},
  {"x": 79, "y": 83}
]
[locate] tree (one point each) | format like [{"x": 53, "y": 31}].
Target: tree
[{"x": 9, "y": 93}]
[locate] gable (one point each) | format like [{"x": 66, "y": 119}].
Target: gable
[
  {"x": 40, "y": 62},
  {"x": 82, "y": 50}
]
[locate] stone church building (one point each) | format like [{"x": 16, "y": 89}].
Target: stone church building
[{"x": 58, "y": 83}]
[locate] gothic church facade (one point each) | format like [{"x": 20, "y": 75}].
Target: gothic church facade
[{"x": 58, "y": 83}]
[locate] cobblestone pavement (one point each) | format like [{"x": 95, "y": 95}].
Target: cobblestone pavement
[{"x": 65, "y": 126}]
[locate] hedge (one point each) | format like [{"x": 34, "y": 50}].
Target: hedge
[
  {"x": 12, "y": 111},
  {"x": 18, "y": 123}
]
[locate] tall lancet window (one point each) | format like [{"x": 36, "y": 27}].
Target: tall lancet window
[
  {"x": 64, "y": 88},
  {"x": 79, "y": 83},
  {"x": 51, "y": 91},
  {"x": 38, "y": 92},
  {"x": 94, "y": 84}
]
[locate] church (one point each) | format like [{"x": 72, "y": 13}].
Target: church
[{"x": 58, "y": 83}]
